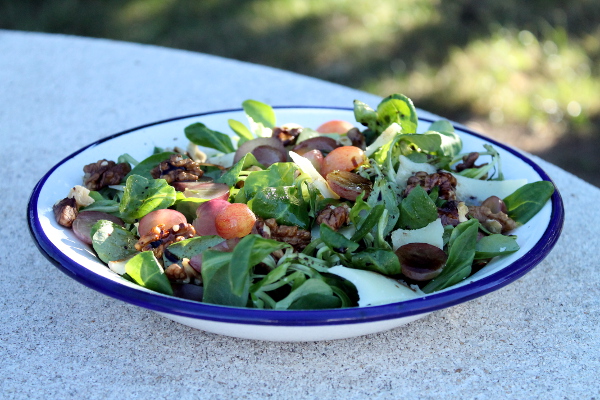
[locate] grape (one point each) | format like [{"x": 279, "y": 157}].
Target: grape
[
  {"x": 348, "y": 184},
  {"x": 316, "y": 158},
  {"x": 251, "y": 145},
  {"x": 206, "y": 213},
  {"x": 345, "y": 158},
  {"x": 335, "y": 126},
  {"x": 235, "y": 221},
  {"x": 323, "y": 143},
  {"x": 86, "y": 219},
  {"x": 421, "y": 261},
  {"x": 268, "y": 155},
  {"x": 167, "y": 217}
]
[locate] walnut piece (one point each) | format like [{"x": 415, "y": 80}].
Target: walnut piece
[
  {"x": 449, "y": 214},
  {"x": 269, "y": 229},
  {"x": 287, "y": 135},
  {"x": 159, "y": 238},
  {"x": 494, "y": 222},
  {"x": 183, "y": 273},
  {"x": 469, "y": 162},
  {"x": 177, "y": 169},
  {"x": 65, "y": 212},
  {"x": 104, "y": 173},
  {"x": 445, "y": 181},
  {"x": 357, "y": 138},
  {"x": 334, "y": 217}
]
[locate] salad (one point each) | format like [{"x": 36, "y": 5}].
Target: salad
[{"x": 290, "y": 217}]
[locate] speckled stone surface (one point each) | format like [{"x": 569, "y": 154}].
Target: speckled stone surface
[{"x": 536, "y": 338}]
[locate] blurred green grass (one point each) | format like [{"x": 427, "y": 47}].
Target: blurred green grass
[{"x": 527, "y": 73}]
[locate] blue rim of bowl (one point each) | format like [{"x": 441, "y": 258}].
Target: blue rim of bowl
[{"x": 202, "y": 311}]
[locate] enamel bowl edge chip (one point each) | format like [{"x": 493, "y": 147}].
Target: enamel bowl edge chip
[{"x": 77, "y": 260}]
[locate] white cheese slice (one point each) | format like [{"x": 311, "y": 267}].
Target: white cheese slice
[
  {"x": 408, "y": 168},
  {"x": 320, "y": 183},
  {"x": 474, "y": 191},
  {"x": 432, "y": 234},
  {"x": 224, "y": 160},
  {"x": 374, "y": 289},
  {"x": 81, "y": 195},
  {"x": 385, "y": 137}
]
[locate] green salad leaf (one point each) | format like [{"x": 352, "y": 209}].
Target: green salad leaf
[
  {"x": 336, "y": 241},
  {"x": 216, "y": 282},
  {"x": 112, "y": 242},
  {"x": 377, "y": 260},
  {"x": 495, "y": 245},
  {"x": 528, "y": 200},
  {"x": 199, "y": 134},
  {"x": 144, "y": 167},
  {"x": 400, "y": 109},
  {"x": 188, "y": 248},
  {"x": 142, "y": 196},
  {"x": 417, "y": 210},
  {"x": 238, "y": 172},
  {"x": 313, "y": 293},
  {"x": 240, "y": 130},
  {"x": 278, "y": 174},
  {"x": 251, "y": 250},
  {"x": 284, "y": 203},
  {"x": 461, "y": 254},
  {"x": 260, "y": 113},
  {"x": 146, "y": 271}
]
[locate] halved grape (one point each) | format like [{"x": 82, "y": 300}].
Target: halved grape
[
  {"x": 348, "y": 184},
  {"x": 235, "y": 221},
  {"x": 345, "y": 158},
  {"x": 268, "y": 155},
  {"x": 250, "y": 145},
  {"x": 335, "y": 126},
  {"x": 316, "y": 159},
  {"x": 421, "y": 261},
  {"x": 187, "y": 291},
  {"x": 495, "y": 204},
  {"x": 167, "y": 217},
  {"x": 86, "y": 219},
  {"x": 322, "y": 143},
  {"x": 206, "y": 213}
]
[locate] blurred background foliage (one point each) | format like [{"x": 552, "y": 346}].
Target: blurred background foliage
[{"x": 525, "y": 72}]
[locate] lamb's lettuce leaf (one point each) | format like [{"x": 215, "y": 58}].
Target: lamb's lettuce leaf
[
  {"x": 284, "y": 203},
  {"x": 199, "y": 134},
  {"x": 528, "y": 200},
  {"x": 278, "y": 174},
  {"x": 145, "y": 166},
  {"x": 417, "y": 210},
  {"x": 495, "y": 245},
  {"x": 112, "y": 242},
  {"x": 461, "y": 253},
  {"x": 142, "y": 196},
  {"x": 146, "y": 271},
  {"x": 238, "y": 171}
]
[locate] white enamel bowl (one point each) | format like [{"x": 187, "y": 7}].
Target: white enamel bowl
[{"x": 78, "y": 261}]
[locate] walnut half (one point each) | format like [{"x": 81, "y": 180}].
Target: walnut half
[
  {"x": 269, "y": 229},
  {"x": 334, "y": 217},
  {"x": 104, "y": 173},
  {"x": 445, "y": 181},
  {"x": 159, "y": 238},
  {"x": 177, "y": 169}
]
